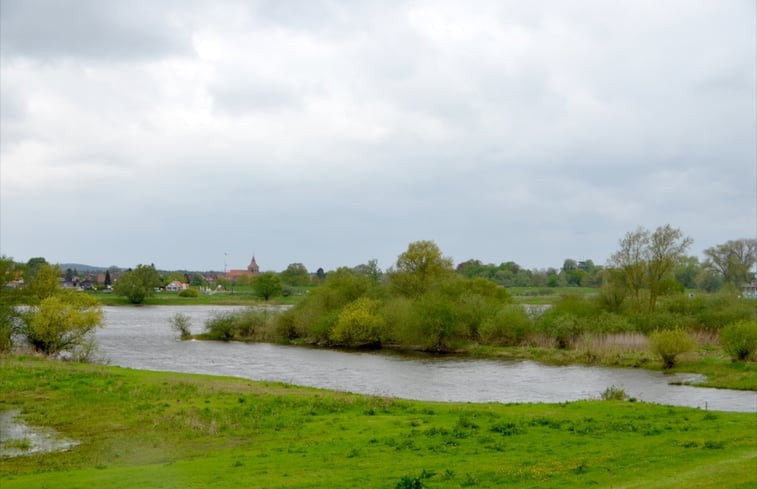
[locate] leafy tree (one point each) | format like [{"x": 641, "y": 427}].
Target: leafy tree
[
  {"x": 108, "y": 279},
  {"x": 419, "y": 268},
  {"x": 32, "y": 266},
  {"x": 687, "y": 270},
  {"x": 43, "y": 283},
  {"x": 138, "y": 284},
  {"x": 61, "y": 322},
  {"x": 666, "y": 248},
  {"x": 370, "y": 270},
  {"x": 631, "y": 260},
  {"x": 320, "y": 274},
  {"x": 645, "y": 259},
  {"x": 9, "y": 299},
  {"x": 267, "y": 285},
  {"x": 733, "y": 260},
  {"x": 296, "y": 274},
  {"x": 69, "y": 275},
  {"x": 197, "y": 280}
]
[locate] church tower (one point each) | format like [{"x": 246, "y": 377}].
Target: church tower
[{"x": 253, "y": 267}]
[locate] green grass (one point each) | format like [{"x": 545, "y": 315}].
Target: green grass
[
  {"x": 152, "y": 429},
  {"x": 241, "y": 296},
  {"x": 547, "y": 295}
]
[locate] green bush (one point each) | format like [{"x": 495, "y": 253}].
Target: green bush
[
  {"x": 221, "y": 326},
  {"x": 668, "y": 344},
  {"x": 189, "y": 293},
  {"x": 359, "y": 324},
  {"x": 508, "y": 327},
  {"x": 739, "y": 339}
]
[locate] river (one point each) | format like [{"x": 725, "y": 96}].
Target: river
[{"x": 141, "y": 338}]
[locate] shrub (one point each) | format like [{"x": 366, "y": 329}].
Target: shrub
[
  {"x": 508, "y": 327},
  {"x": 668, "y": 344},
  {"x": 358, "y": 324},
  {"x": 221, "y": 326},
  {"x": 181, "y": 323},
  {"x": 614, "y": 393},
  {"x": 739, "y": 339},
  {"x": 189, "y": 293}
]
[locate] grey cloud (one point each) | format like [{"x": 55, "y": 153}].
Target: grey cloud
[{"x": 90, "y": 29}]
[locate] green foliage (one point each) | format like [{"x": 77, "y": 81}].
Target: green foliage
[
  {"x": 138, "y": 284},
  {"x": 181, "y": 323},
  {"x": 266, "y": 285},
  {"x": 509, "y": 326},
  {"x": 670, "y": 343},
  {"x": 246, "y": 324},
  {"x": 42, "y": 283},
  {"x": 740, "y": 339},
  {"x": 9, "y": 299},
  {"x": 189, "y": 293},
  {"x": 359, "y": 324},
  {"x": 614, "y": 393},
  {"x": 419, "y": 268},
  {"x": 296, "y": 275},
  {"x": 61, "y": 322},
  {"x": 733, "y": 260}
]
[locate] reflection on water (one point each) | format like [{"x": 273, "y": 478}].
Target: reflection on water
[{"x": 141, "y": 337}]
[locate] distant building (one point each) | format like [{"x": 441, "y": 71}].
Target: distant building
[
  {"x": 176, "y": 286},
  {"x": 252, "y": 270},
  {"x": 749, "y": 291}
]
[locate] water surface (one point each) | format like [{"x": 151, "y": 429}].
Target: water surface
[{"x": 141, "y": 337}]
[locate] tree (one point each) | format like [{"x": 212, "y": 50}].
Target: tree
[
  {"x": 733, "y": 260},
  {"x": 296, "y": 274},
  {"x": 43, "y": 283},
  {"x": 266, "y": 285},
  {"x": 666, "y": 248},
  {"x": 370, "y": 270},
  {"x": 646, "y": 259},
  {"x": 32, "y": 266},
  {"x": 62, "y": 322},
  {"x": 630, "y": 259},
  {"x": 419, "y": 268},
  {"x": 138, "y": 284},
  {"x": 107, "y": 279},
  {"x": 668, "y": 344},
  {"x": 9, "y": 299}
]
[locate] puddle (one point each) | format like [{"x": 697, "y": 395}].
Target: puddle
[{"x": 18, "y": 438}]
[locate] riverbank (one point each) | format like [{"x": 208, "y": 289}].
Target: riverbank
[
  {"x": 719, "y": 370},
  {"x": 139, "y": 427}
]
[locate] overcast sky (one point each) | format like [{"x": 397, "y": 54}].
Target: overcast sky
[{"x": 333, "y": 132}]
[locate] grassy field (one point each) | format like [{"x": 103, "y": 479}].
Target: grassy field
[
  {"x": 151, "y": 429},
  {"x": 240, "y": 296}
]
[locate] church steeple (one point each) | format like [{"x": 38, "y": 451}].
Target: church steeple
[{"x": 253, "y": 267}]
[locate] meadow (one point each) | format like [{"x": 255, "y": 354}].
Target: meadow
[{"x": 153, "y": 429}]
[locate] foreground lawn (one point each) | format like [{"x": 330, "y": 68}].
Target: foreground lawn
[{"x": 152, "y": 429}]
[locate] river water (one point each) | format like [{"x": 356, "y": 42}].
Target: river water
[{"x": 141, "y": 338}]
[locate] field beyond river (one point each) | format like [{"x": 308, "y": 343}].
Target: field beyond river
[{"x": 159, "y": 429}]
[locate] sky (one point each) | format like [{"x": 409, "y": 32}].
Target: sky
[{"x": 193, "y": 134}]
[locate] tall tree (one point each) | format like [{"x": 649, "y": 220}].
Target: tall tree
[
  {"x": 296, "y": 274},
  {"x": 631, "y": 260},
  {"x": 733, "y": 260},
  {"x": 138, "y": 284},
  {"x": 266, "y": 285},
  {"x": 667, "y": 246},
  {"x": 419, "y": 268}
]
